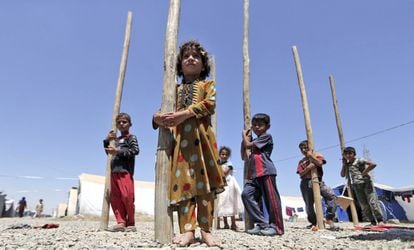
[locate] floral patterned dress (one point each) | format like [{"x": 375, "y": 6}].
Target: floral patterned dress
[{"x": 194, "y": 167}]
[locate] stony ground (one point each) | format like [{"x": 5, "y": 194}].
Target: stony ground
[{"x": 84, "y": 233}]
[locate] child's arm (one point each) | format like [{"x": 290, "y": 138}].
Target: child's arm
[
  {"x": 317, "y": 160},
  {"x": 207, "y": 105},
  {"x": 159, "y": 120},
  {"x": 247, "y": 138},
  {"x": 343, "y": 170},
  {"x": 176, "y": 118},
  {"x": 246, "y": 144},
  {"x": 369, "y": 166},
  {"x": 132, "y": 149},
  {"x": 111, "y": 136},
  {"x": 308, "y": 168},
  {"x": 243, "y": 151}
]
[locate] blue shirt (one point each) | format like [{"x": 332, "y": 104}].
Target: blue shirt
[{"x": 260, "y": 163}]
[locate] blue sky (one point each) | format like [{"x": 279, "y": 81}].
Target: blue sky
[{"x": 59, "y": 64}]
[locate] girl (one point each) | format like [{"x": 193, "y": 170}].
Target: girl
[
  {"x": 229, "y": 202},
  {"x": 196, "y": 177}
]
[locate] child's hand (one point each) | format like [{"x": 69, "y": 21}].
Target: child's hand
[
  {"x": 247, "y": 133},
  {"x": 111, "y": 150},
  {"x": 111, "y": 135},
  {"x": 309, "y": 153},
  {"x": 176, "y": 118},
  {"x": 311, "y": 166},
  {"x": 158, "y": 118}
]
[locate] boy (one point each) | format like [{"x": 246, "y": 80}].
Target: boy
[
  {"x": 357, "y": 170},
  {"x": 310, "y": 161},
  {"x": 122, "y": 172},
  {"x": 261, "y": 179}
]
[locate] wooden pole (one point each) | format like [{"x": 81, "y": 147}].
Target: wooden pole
[
  {"x": 115, "y": 112},
  {"x": 248, "y": 223},
  {"x": 163, "y": 213},
  {"x": 216, "y": 220},
  {"x": 213, "y": 77},
  {"x": 342, "y": 143},
  {"x": 306, "y": 113}
]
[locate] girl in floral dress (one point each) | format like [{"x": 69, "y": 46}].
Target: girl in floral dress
[{"x": 196, "y": 177}]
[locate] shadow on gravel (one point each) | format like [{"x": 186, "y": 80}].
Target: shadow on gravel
[{"x": 394, "y": 234}]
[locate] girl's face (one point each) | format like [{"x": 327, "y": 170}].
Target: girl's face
[
  {"x": 224, "y": 155},
  {"x": 192, "y": 64}
]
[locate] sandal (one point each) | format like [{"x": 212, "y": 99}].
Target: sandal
[{"x": 117, "y": 228}]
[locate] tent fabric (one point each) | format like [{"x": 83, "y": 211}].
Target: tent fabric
[
  {"x": 91, "y": 191},
  {"x": 391, "y": 202}
]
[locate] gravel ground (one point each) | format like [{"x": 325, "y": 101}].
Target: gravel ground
[{"x": 83, "y": 233}]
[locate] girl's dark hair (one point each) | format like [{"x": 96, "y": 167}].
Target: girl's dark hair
[
  {"x": 225, "y": 148},
  {"x": 261, "y": 117},
  {"x": 204, "y": 58}
]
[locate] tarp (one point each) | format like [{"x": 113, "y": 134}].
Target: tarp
[{"x": 394, "y": 202}]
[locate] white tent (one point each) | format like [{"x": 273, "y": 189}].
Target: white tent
[
  {"x": 293, "y": 202},
  {"x": 91, "y": 190}
]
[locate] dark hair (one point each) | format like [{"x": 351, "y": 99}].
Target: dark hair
[
  {"x": 123, "y": 115},
  {"x": 261, "y": 117},
  {"x": 204, "y": 58},
  {"x": 303, "y": 143},
  {"x": 225, "y": 148},
  {"x": 349, "y": 150}
]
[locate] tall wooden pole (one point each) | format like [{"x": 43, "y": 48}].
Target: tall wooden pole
[
  {"x": 115, "y": 112},
  {"x": 248, "y": 223},
  {"x": 213, "y": 77},
  {"x": 216, "y": 221},
  {"x": 163, "y": 213},
  {"x": 306, "y": 113},
  {"x": 342, "y": 143}
]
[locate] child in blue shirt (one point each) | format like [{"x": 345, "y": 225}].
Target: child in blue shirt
[{"x": 261, "y": 179}]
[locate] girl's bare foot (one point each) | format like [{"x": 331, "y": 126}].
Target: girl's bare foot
[
  {"x": 209, "y": 239},
  {"x": 185, "y": 239}
]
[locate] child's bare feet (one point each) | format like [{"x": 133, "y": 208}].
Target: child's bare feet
[
  {"x": 185, "y": 239},
  {"x": 209, "y": 239},
  {"x": 234, "y": 227}
]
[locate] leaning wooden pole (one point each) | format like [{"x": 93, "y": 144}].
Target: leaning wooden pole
[
  {"x": 115, "y": 112},
  {"x": 213, "y": 77},
  {"x": 163, "y": 213},
  {"x": 246, "y": 92},
  {"x": 342, "y": 143},
  {"x": 216, "y": 221},
  {"x": 306, "y": 113}
]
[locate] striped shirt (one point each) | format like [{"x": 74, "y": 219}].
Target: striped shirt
[{"x": 124, "y": 160}]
